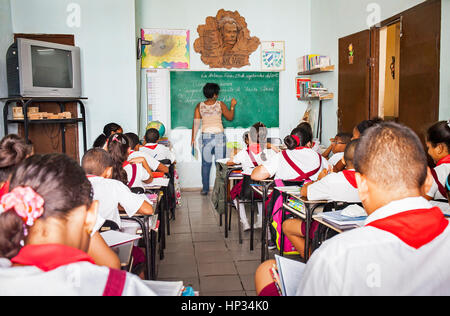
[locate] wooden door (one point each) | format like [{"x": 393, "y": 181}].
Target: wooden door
[
  {"x": 46, "y": 138},
  {"x": 420, "y": 66},
  {"x": 354, "y": 80}
]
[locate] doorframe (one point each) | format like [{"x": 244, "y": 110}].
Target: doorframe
[{"x": 374, "y": 60}]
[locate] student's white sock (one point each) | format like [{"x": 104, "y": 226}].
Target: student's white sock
[{"x": 242, "y": 213}]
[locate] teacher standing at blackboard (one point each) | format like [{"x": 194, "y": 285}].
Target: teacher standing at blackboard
[{"x": 209, "y": 114}]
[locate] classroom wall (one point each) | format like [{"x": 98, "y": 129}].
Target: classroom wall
[
  {"x": 444, "y": 108},
  {"x": 287, "y": 20},
  {"x": 6, "y": 37},
  {"x": 105, "y": 33},
  {"x": 331, "y": 20}
]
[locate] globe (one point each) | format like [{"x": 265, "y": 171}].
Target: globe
[{"x": 158, "y": 126}]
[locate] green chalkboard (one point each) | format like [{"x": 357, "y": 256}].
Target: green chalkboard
[{"x": 257, "y": 94}]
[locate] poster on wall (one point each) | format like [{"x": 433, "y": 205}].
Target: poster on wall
[
  {"x": 273, "y": 56},
  {"x": 168, "y": 49}
]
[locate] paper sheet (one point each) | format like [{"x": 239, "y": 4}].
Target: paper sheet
[
  {"x": 115, "y": 238},
  {"x": 165, "y": 288}
]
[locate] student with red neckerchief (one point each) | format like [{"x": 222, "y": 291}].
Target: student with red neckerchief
[
  {"x": 45, "y": 226},
  {"x": 255, "y": 155},
  {"x": 403, "y": 247},
  {"x": 339, "y": 187},
  {"x": 157, "y": 151},
  {"x": 135, "y": 173},
  {"x": 438, "y": 144},
  {"x": 297, "y": 165}
]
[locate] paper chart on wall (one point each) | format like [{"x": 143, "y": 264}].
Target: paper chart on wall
[
  {"x": 158, "y": 102},
  {"x": 168, "y": 49}
]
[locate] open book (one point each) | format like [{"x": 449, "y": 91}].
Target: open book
[{"x": 291, "y": 274}]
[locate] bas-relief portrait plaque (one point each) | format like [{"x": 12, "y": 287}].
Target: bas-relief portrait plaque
[{"x": 225, "y": 41}]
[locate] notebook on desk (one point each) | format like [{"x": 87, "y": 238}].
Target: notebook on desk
[{"x": 158, "y": 182}]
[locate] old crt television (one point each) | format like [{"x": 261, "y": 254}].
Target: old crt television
[{"x": 43, "y": 69}]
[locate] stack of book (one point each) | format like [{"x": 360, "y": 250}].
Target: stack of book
[
  {"x": 310, "y": 62},
  {"x": 336, "y": 219},
  {"x": 311, "y": 89}
]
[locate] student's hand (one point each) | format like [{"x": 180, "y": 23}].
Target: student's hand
[
  {"x": 323, "y": 174},
  {"x": 137, "y": 160},
  {"x": 233, "y": 103}
]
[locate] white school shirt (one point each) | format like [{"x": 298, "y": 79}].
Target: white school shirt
[
  {"x": 243, "y": 158},
  {"x": 442, "y": 172},
  {"x": 306, "y": 159},
  {"x": 77, "y": 279},
  {"x": 370, "y": 261},
  {"x": 141, "y": 175},
  {"x": 152, "y": 162},
  {"x": 110, "y": 193},
  {"x": 335, "y": 159},
  {"x": 334, "y": 187},
  {"x": 160, "y": 152}
]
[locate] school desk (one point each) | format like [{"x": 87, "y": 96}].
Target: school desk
[
  {"x": 263, "y": 188},
  {"x": 163, "y": 208},
  {"x": 231, "y": 176},
  {"x": 310, "y": 208},
  {"x": 149, "y": 237}
]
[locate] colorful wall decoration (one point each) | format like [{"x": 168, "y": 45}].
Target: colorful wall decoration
[{"x": 169, "y": 49}]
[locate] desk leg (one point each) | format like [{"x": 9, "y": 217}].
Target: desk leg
[
  {"x": 226, "y": 206},
  {"x": 308, "y": 228},
  {"x": 252, "y": 222},
  {"x": 283, "y": 218},
  {"x": 167, "y": 212},
  {"x": 264, "y": 227}
]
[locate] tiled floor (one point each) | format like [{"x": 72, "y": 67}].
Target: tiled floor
[{"x": 198, "y": 253}]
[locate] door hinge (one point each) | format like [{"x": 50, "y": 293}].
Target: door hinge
[{"x": 371, "y": 62}]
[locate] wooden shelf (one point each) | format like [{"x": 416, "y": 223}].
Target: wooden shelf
[{"x": 317, "y": 71}]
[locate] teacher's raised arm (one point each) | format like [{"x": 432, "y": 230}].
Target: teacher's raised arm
[{"x": 208, "y": 115}]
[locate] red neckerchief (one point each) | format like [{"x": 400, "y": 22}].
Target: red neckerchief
[
  {"x": 350, "y": 176},
  {"x": 444, "y": 160},
  {"x": 126, "y": 163},
  {"x": 255, "y": 148},
  {"x": 152, "y": 147},
  {"x": 4, "y": 189},
  {"x": 416, "y": 227},
  {"x": 50, "y": 257},
  {"x": 301, "y": 148}
]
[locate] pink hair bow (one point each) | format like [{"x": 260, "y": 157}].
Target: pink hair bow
[{"x": 26, "y": 203}]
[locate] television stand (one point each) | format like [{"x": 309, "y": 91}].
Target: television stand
[{"x": 26, "y": 102}]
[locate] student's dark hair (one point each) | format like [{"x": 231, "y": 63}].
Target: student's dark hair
[
  {"x": 258, "y": 134},
  {"x": 152, "y": 136},
  {"x": 349, "y": 153},
  {"x": 365, "y": 125},
  {"x": 306, "y": 126},
  {"x": 439, "y": 133},
  {"x": 210, "y": 90},
  {"x": 13, "y": 150},
  {"x": 303, "y": 133},
  {"x": 245, "y": 137},
  {"x": 108, "y": 130},
  {"x": 96, "y": 161},
  {"x": 392, "y": 156},
  {"x": 133, "y": 140},
  {"x": 59, "y": 180},
  {"x": 345, "y": 138},
  {"x": 118, "y": 149}
]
